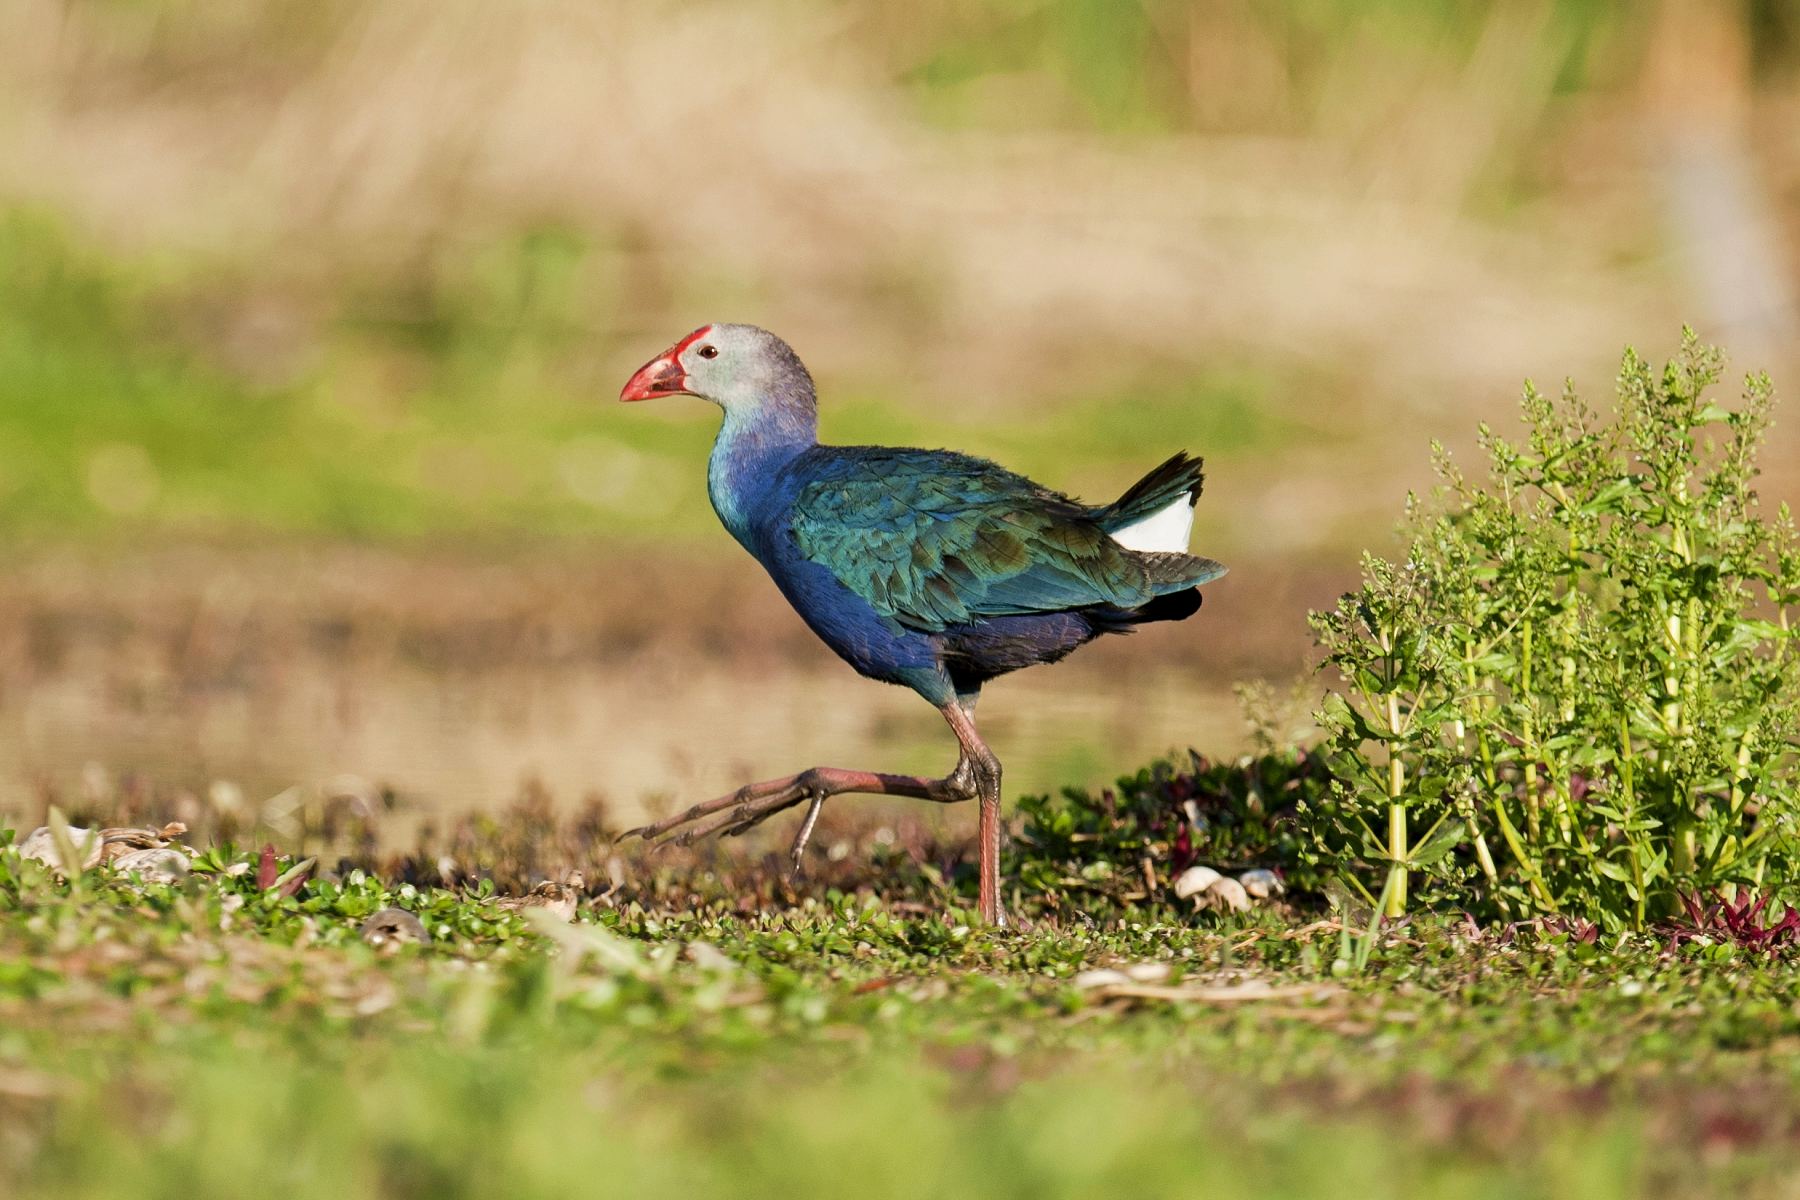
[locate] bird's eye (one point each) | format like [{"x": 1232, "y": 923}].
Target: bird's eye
[{"x": 709, "y": 352}]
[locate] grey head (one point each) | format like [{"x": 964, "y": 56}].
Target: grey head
[{"x": 737, "y": 367}]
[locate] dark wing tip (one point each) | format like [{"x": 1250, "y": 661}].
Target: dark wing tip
[
  {"x": 1159, "y": 479},
  {"x": 1210, "y": 569}
]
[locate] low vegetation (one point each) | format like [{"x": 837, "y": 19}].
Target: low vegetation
[
  {"x": 213, "y": 1034},
  {"x": 1579, "y": 690}
]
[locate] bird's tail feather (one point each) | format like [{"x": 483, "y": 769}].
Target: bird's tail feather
[{"x": 1155, "y": 492}]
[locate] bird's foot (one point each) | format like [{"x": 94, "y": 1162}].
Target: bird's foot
[
  {"x": 732, "y": 814},
  {"x": 751, "y": 805}
]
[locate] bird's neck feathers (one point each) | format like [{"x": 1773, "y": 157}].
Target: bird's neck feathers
[
  {"x": 757, "y": 438},
  {"x": 781, "y": 417}
]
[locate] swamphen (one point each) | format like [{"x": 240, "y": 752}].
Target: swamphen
[{"x": 926, "y": 568}]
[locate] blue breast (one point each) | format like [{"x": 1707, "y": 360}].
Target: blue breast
[
  {"x": 875, "y": 645},
  {"x": 753, "y": 489}
]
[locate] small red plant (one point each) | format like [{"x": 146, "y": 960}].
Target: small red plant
[
  {"x": 1577, "y": 929},
  {"x": 287, "y": 883},
  {"x": 1738, "y": 921}
]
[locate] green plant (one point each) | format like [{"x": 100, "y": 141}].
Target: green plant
[{"x": 1582, "y": 678}]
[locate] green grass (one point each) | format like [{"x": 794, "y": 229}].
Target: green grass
[
  {"x": 215, "y": 1039},
  {"x": 147, "y": 398}
]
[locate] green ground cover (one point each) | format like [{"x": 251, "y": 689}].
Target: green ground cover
[{"x": 214, "y": 1037}]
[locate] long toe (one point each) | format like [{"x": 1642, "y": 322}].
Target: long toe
[
  {"x": 798, "y": 853},
  {"x": 741, "y": 817},
  {"x": 749, "y": 792}
]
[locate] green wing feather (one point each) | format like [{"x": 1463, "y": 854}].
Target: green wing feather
[{"x": 933, "y": 539}]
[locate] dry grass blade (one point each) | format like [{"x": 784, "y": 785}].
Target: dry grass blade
[
  {"x": 611, "y": 952},
  {"x": 1236, "y": 993}
]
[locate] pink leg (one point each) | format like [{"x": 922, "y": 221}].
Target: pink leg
[
  {"x": 976, "y": 777},
  {"x": 985, "y": 769}
]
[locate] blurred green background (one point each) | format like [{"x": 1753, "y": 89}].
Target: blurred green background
[{"x": 312, "y": 316}]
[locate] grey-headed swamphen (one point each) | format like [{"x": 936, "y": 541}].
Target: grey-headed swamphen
[{"x": 926, "y": 568}]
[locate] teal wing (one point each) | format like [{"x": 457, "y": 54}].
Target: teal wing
[{"x": 932, "y": 539}]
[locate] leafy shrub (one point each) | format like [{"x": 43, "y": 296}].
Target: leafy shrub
[{"x": 1578, "y": 691}]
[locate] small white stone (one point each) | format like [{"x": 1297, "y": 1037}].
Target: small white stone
[
  {"x": 1225, "y": 894},
  {"x": 40, "y": 844},
  {"x": 1262, "y": 883},
  {"x": 1100, "y": 977},
  {"x": 154, "y": 865},
  {"x": 1194, "y": 881}
]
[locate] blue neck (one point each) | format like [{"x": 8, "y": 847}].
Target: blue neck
[{"x": 755, "y": 441}]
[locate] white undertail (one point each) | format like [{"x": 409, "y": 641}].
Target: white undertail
[{"x": 1165, "y": 531}]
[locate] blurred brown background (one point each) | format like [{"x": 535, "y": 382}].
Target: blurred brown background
[{"x": 312, "y": 314}]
